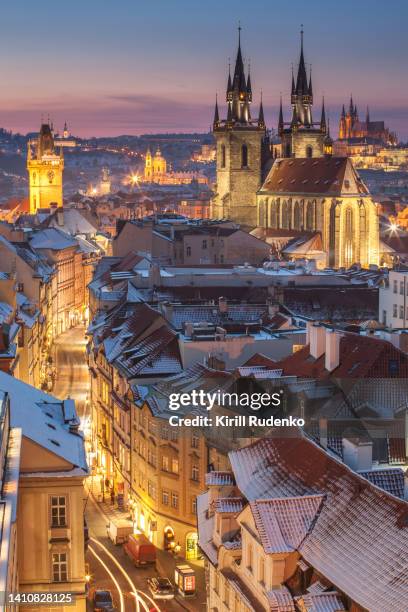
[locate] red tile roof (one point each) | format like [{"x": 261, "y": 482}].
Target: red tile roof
[
  {"x": 360, "y": 357},
  {"x": 359, "y": 541},
  {"x": 322, "y": 175},
  {"x": 260, "y": 360},
  {"x": 283, "y": 524}
]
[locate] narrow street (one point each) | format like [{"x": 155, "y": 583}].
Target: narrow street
[{"x": 109, "y": 567}]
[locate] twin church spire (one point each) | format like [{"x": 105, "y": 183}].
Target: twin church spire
[{"x": 239, "y": 99}]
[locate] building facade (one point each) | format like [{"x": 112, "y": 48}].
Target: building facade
[
  {"x": 324, "y": 195},
  {"x": 45, "y": 168}
]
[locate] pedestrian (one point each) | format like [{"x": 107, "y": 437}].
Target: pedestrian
[{"x": 112, "y": 495}]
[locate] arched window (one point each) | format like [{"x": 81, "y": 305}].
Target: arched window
[
  {"x": 309, "y": 151},
  {"x": 244, "y": 156},
  {"x": 287, "y": 150},
  {"x": 348, "y": 238},
  {"x": 222, "y": 162},
  {"x": 296, "y": 216},
  {"x": 310, "y": 216},
  {"x": 285, "y": 215},
  {"x": 274, "y": 215}
]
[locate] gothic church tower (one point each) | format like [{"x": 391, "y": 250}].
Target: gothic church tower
[
  {"x": 242, "y": 150},
  {"x": 302, "y": 137}
]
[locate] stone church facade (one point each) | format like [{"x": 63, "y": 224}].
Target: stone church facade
[{"x": 306, "y": 190}]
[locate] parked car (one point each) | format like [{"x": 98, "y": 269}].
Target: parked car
[
  {"x": 160, "y": 588},
  {"x": 140, "y": 550},
  {"x": 102, "y": 601},
  {"x": 119, "y": 530}
]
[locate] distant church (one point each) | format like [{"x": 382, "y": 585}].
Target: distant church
[
  {"x": 45, "y": 167},
  {"x": 352, "y": 129},
  {"x": 305, "y": 191},
  {"x": 155, "y": 171}
]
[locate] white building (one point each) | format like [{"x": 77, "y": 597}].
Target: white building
[{"x": 393, "y": 300}]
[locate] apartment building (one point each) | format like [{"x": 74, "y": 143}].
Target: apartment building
[
  {"x": 176, "y": 240},
  {"x": 43, "y": 455},
  {"x": 393, "y": 300},
  {"x": 279, "y": 543}
]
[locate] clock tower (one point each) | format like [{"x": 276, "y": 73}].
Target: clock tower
[{"x": 45, "y": 167}]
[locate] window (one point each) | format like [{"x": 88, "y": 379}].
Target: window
[
  {"x": 262, "y": 570},
  {"x": 195, "y": 473},
  {"x": 151, "y": 489},
  {"x": 402, "y": 287},
  {"x": 165, "y": 463},
  {"x": 244, "y": 156},
  {"x": 394, "y": 311},
  {"x": 384, "y": 317},
  {"x": 309, "y": 151},
  {"x": 194, "y": 505},
  {"x": 175, "y": 466},
  {"x": 165, "y": 498},
  {"x": 216, "y": 581},
  {"x": 195, "y": 441},
  {"x": 222, "y": 156},
  {"x": 249, "y": 557},
  {"x": 174, "y": 499},
  {"x": 204, "y": 244},
  {"x": 221, "y": 258},
  {"x": 165, "y": 433},
  {"x": 58, "y": 511},
  {"x": 395, "y": 286},
  {"x": 59, "y": 567},
  {"x": 401, "y": 312},
  {"x": 226, "y": 593},
  {"x": 174, "y": 434},
  {"x": 188, "y": 251}
]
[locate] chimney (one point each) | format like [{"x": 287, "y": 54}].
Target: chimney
[
  {"x": 332, "y": 360},
  {"x": 223, "y": 304},
  {"x": 323, "y": 432},
  {"x": 317, "y": 340},
  {"x": 358, "y": 453},
  {"x": 60, "y": 216}
]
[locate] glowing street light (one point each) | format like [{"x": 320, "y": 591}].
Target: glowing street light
[
  {"x": 393, "y": 228},
  {"x": 134, "y": 179}
]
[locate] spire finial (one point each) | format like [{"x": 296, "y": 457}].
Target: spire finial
[
  {"x": 301, "y": 35},
  {"x": 239, "y": 33}
]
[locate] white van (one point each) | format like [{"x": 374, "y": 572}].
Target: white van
[{"x": 119, "y": 530}]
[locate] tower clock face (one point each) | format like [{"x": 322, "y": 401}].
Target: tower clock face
[{"x": 50, "y": 175}]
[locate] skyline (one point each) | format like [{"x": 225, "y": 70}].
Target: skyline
[{"x": 126, "y": 70}]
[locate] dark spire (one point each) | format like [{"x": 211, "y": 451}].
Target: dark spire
[
  {"x": 280, "y": 122},
  {"x": 343, "y": 112},
  {"x": 323, "y": 118},
  {"x": 310, "y": 83},
  {"x": 293, "y": 83},
  {"x": 351, "y": 106},
  {"x": 368, "y": 116},
  {"x": 301, "y": 81},
  {"x": 229, "y": 84},
  {"x": 216, "y": 113},
  {"x": 355, "y": 111},
  {"x": 261, "y": 118},
  {"x": 239, "y": 82},
  {"x": 249, "y": 87}
]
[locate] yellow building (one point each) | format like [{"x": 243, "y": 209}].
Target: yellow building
[
  {"x": 45, "y": 524},
  {"x": 45, "y": 168}
]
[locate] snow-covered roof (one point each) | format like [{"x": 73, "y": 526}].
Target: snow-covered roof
[
  {"x": 53, "y": 239},
  {"x": 45, "y": 420}
]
